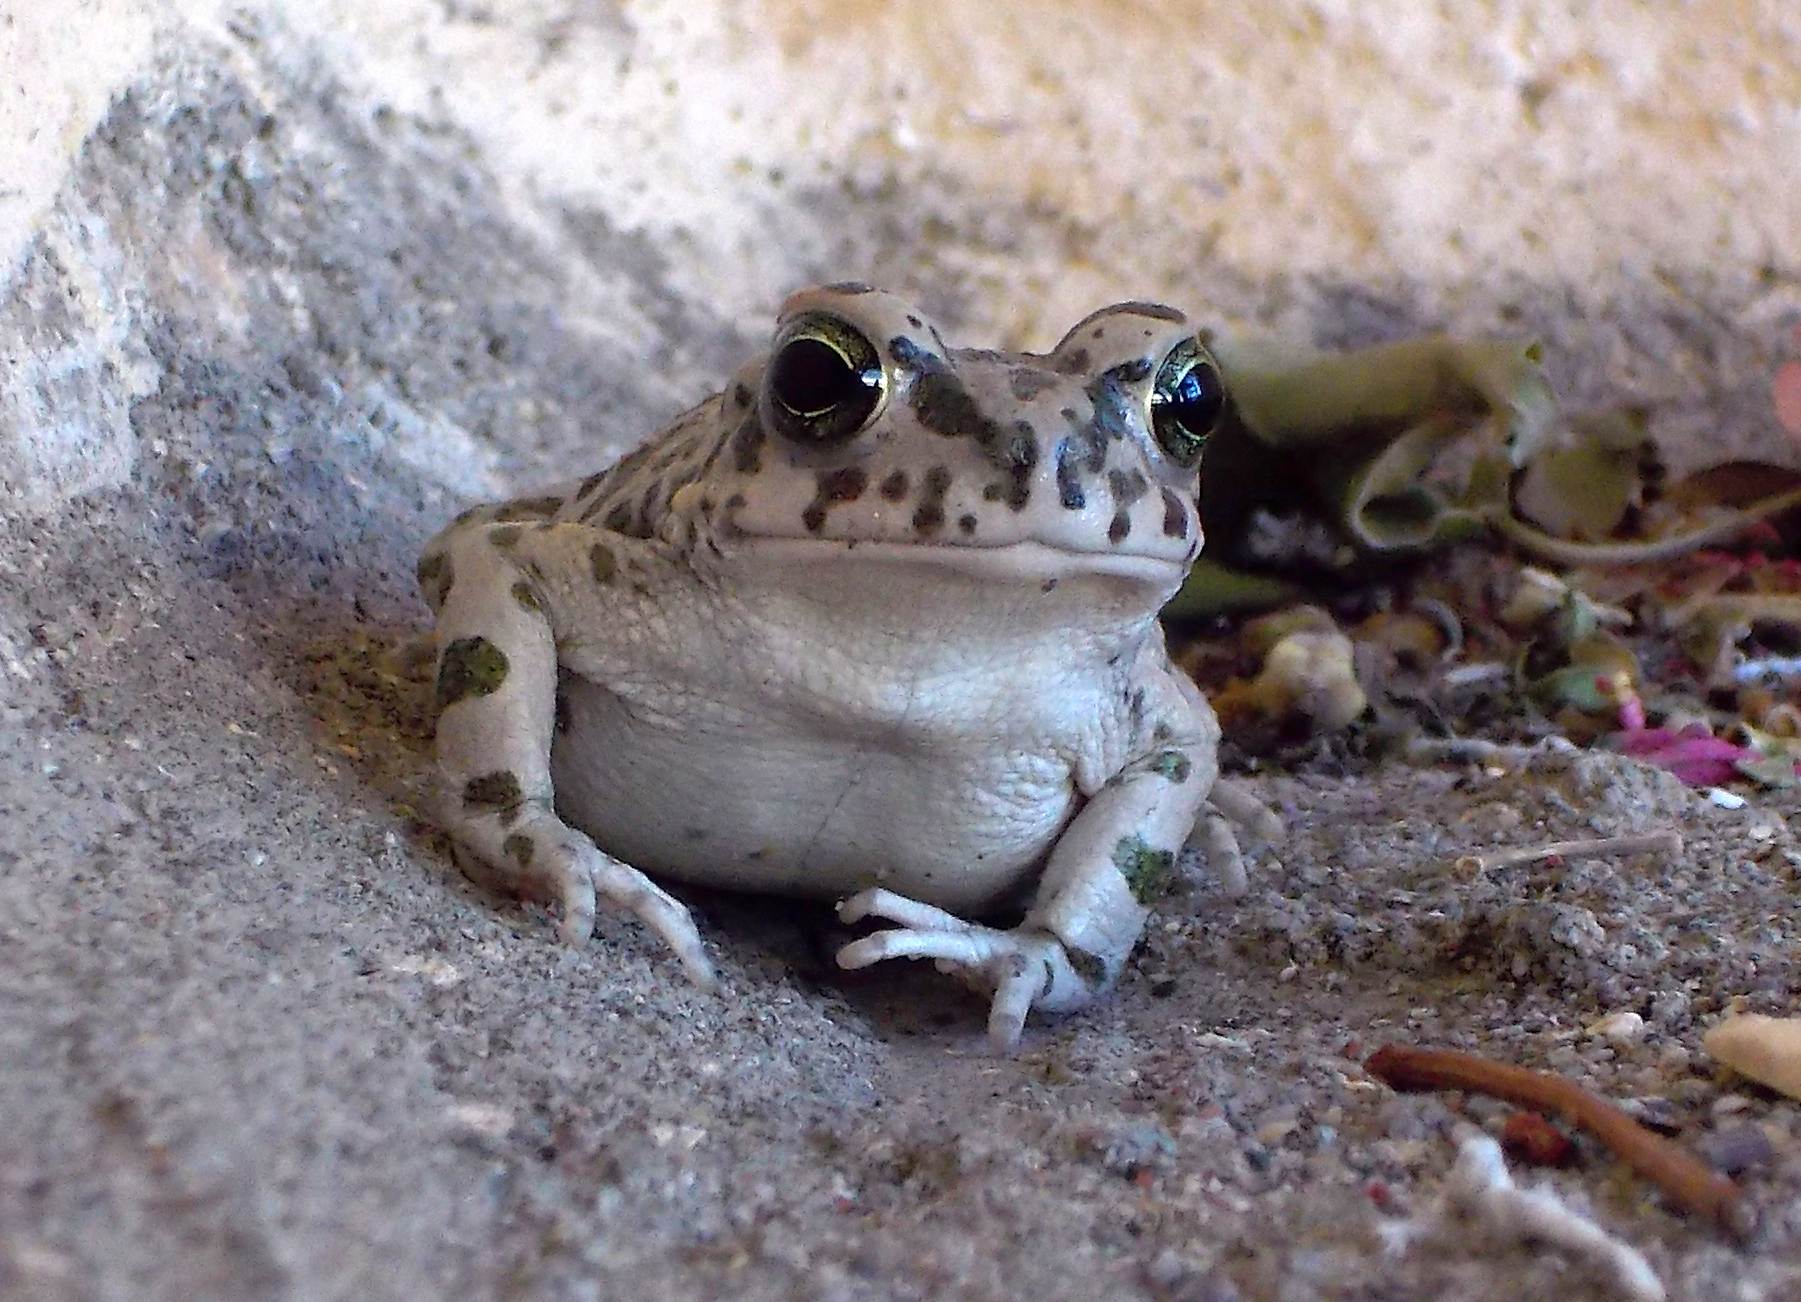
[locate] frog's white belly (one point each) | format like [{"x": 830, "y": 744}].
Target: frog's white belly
[{"x": 755, "y": 805}]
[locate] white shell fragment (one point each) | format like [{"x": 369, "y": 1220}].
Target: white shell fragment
[
  {"x": 1767, "y": 1049},
  {"x": 1623, "y": 1027}
]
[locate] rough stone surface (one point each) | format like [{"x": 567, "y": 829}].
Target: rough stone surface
[{"x": 281, "y": 291}]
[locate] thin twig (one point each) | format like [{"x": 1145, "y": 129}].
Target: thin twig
[
  {"x": 1567, "y": 552},
  {"x": 1483, "y": 671},
  {"x": 1606, "y": 847},
  {"x": 1688, "y": 1181},
  {"x": 1550, "y": 753}
]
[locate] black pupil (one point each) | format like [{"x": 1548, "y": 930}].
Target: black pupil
[
  {"x": 1197, "y": 398},
  {"x": 811, "y": 378}
]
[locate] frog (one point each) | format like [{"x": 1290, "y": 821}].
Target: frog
[{"x": 875, "y": 624}]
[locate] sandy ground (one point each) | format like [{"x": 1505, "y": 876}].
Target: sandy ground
[{"x": 258, "y": 1039}]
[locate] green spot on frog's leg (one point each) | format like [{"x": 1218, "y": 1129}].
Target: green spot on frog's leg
[
  {"x": 523, "y": 594},
  {"x": 519, "y": 848},
  {"x": 1147, "y": 870},
  {"x": 604, "y": 562},
  {"x": 498, "y": 792},
  {"x": 1092, "y": 968},
  {"x": 1173, "y": 765},
  {"x": 471, "y": 666},
  {"x": 506, "y": 535},
  {"x": 435, "y": 577}
]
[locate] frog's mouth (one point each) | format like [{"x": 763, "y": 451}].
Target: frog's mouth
[{"x": 1015, "y": 562}]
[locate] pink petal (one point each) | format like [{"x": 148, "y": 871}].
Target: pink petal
[
  {"x": 1785, "y": 395},
  {"x": 1694, "y": 754}
]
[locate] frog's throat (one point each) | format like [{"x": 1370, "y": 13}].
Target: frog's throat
[{"x": 1010, "y": 562}]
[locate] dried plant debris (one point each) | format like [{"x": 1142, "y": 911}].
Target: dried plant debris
[
  {"x": 1347, "y": 477},
  {"x": 1480, "y": 1196},
  {"x": 1686, "y": 1181},
  {"x": 1767, "y": 1049}
]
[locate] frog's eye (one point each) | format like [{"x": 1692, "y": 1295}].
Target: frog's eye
[
  {"x": 1187, "y": 402},
  {"x": 824, "y": 380}
]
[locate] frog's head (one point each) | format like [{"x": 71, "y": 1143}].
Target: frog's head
[{"x": 861, "y": 429}]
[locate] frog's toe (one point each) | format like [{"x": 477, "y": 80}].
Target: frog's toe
[
  {"x": 1219, "y": 844},
  {"x": 1239, "y": 818},
  {"x": 626, "y": 888},
  {"x": 1023, "y": 984},
  {"x": 1023, "y": 968},
  {"x": 1237, "y": 803},
  {"x": 545, "y": 868},
  {"x": 879, "y": 902}
]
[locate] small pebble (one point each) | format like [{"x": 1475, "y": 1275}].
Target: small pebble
[
  {"x": 1274, "y": 1132},
  {"x": 1653, "y": 1113},
  {"x": 1530, "y": 1138},
  {"x": 1734, "y": 1149},
  {"x": 1622, "y": 1027},
  {"x": 1729, "y": 1104},
  {"x": 1145, "y": 1147}
]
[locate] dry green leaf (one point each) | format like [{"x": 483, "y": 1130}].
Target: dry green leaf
[
  {"x": 1774, "y": 771},
  {"x": 1583, "y": 490},
  {"x": 1297, "y": 399}
]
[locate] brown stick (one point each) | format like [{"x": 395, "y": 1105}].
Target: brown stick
[{"x": 1689, "y": 1182}]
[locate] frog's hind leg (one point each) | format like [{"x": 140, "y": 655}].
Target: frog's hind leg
[
  {"x": 496, "y": 700},
  {"x": 1113, "y": 861}
]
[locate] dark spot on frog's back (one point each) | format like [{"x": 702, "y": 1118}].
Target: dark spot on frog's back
[
  {"x": 1074, "y": 362},
  {"x": 914, "y": 356},
  {"x": 741, "y": 394},
  {"x": 1130, "y": 372},
  {"x": 747, "y": 445},
  {"x": 849, "y": 287},
  {"x": 1069, "y": 478},
  {"x": 1119, "y": 527},
  {"x": 1175, "y": 516},
  {"x": 833, "y": 486},
  {"x": 1127, "y": 486},
  {"x": 1027, "y": 382},
  {"x": 894, "y": 487},
  {"x": 967, "y": 523},
  {"x": 1113, "y": 405},
  {"x": 470, "y": 666},
  {"x": 1019, "y": 455},
  {"x": 944, "y": 406},
  {"x": 929, "y": 518}
]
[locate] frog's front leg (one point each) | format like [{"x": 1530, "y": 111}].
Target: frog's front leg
[
  {"x": 496, "y": 698},
  {"x": 1114, "y": 859}
]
